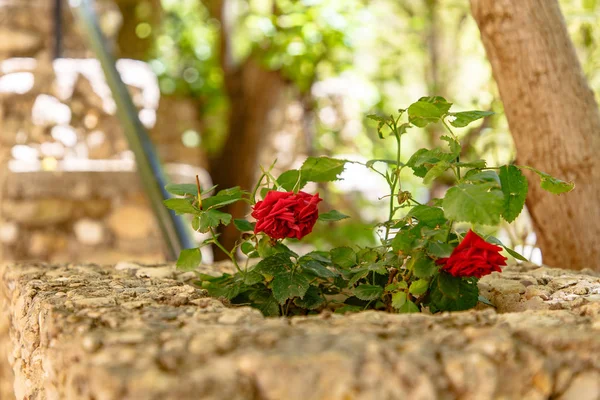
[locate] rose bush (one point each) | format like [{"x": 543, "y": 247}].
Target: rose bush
[
  {"x": 286, "y": 214},
  {"x": 473, "y": 257},
  {"x": 422, "y": 262}
]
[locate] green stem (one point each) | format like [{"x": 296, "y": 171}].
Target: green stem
[
  {"x": 231, "y": 254},
  {"x": 395, "y": 181},
  {"x": 458, "y": 156}
]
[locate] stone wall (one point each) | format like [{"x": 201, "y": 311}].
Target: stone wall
[
  {"x": 138, "y": 332},
  {"x": 68, "y": 188}
]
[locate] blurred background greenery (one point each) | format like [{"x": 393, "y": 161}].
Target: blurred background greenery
[{"x": 290, "y": 78}]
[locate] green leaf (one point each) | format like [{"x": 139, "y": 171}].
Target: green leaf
[
  {"x": 274, "y": 264},
  {"x": 252, "y": 278},
  {"x": 289, "y": 284},
  {"x": 439, "y": 249},
  {"x": 419, "y": 287},
  {"x": 243, "y": 225},
  {"x": 348, "y": 309},
  {"x": 438, "y": 169},
  {"x": 332, "y": 215},
  {"x": 316, "y": 268},
  {"x": 396, "y": 285},
  {"x": 264, "y": 301},
  {"x": 359, "y": 274},
  {"x": 181, "y": 206},
  {"x": 398, "y": 300},
  {"x": 475, "y": 203},
  {"x": 427, "y": 110},
  {"x": 403, "y": 241},
  {"x": 368, "y": 292},
  {"x": 424, "y": 267},
  {"x": 408, "y": 307},
  {"x": 291, "y": 180},
  {"x": 189, "y": 259},
  {"x": 465, "y": 294},
  {"x": 247, "y": 248},
  {"x": 320, "y": 256},
  {"x": 475, "y": 175},
  {"x": 380, "y": 118},
  {"x": 182, "y": 189},
  {"x": 514, "y": 187},
  {"x": 345, "y": 257},
  {"x": 448, "y": 285},
  {"x": 322, "y": 169},
  {"x": 550, "y": 183},
  {"x": 464, "y": 118},
  {"x": 455, "y": 148},
  {"x": 370, "y": 163},
  {"x": 223, "y": 198},
  {"x": 510, "y": 251},
  {"x": 212, "y": 219},
  {"x": 429, "y": 216},
  {"x": 312, "y": 299}
]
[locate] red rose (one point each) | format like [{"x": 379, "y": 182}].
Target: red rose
[
  {"x": 473, "y": 257},
  {"x": 286, "y": 214}
]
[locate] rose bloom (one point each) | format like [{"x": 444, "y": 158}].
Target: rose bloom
[
  {"x": 286, "y": 214},
  {"x": 473, "y": 257}
]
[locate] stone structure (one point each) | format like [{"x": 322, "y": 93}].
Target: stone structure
[
  {"x": 137, "y": 332},
  {"x": 68, "y": 186}
]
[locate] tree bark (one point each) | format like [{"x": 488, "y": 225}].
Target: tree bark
[
  {"x": 554, "y": 121},
  {"x": 254, "y": 93}
]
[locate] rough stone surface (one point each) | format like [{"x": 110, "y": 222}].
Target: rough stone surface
[{"x": 131, "y": 332}]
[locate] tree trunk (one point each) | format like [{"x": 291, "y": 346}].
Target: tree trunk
[
  {"x": 254, "y": 94},
  {"x": 554, "y": 121}
]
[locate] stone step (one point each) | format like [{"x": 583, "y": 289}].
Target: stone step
[{"x": 83, "y": 332}]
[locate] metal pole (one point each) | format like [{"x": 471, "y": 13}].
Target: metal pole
[
  {"x": 174, "y": 230},
  {"x": 57, "y": 29}
]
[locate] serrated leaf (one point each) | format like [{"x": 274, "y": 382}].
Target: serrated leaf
[
  {"x": 380, "y": 118},
  {"x": 358, "y": 275},
  {"x": 475, "y": 175},
  {"x": 265, "y": 302},
  {"x": 398, "y": 300},
  {"x": 478, "y": 164},
  {"x": 322, "y": 169},
  {"x": 320, "y": 256},
  {"x": 439, "y": 249},
  {"x": 181, "y": 206},
  {"x": 368, "y": 292},
  {"x": 408, "y": 307},
  {"x": 312, "y": 299},
  {"x": 370, "y": 163},
  {"x": 274, "y": 264},
  {"x": 438, "y": 169},
  {"x": 550, "y": 183},
  {"x": 223, "y": 198},
  {"x": 291, "y": 180},
  {"x": 252, "y": 278},
  {"x": 465, "y": 296},
  {"x": 429, "y": 216},
  {"x": 427, "y": 110},
  {"x": 403, "y": 241},
  {"x": 182, "y": 189},
  {"x": 189, "y": 259},
  {"x": 464, "y": 118},
  {"x": 211, "y": 219},
  {"x": 243, "y": 225},
  {"x": 396, "y": 285},
  {"x": 424, "y": 267},
  {"x": 332, "y": 215},
  {"x": 287, "y": 285},
  {"x": 514, "y": 186},
  {"x": 316, "y": 268},
  {"x": 448, "y": 285},
  {"x": 419, "y": 287},
  {"x": 453, "y": 145},
  {"x": 476, "y": 203},
  {"x": 345, "y": 257}
]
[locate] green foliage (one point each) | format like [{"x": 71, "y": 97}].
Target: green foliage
[
  {"x": 407, "y": 270},
  {"x": 514, "y": 187},
  {"x": 478, "y": 204}
]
